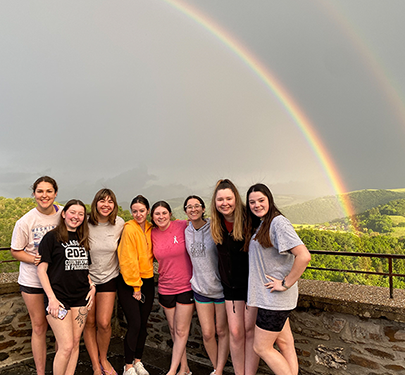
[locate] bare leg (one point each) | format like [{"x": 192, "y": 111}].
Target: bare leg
[
  {"x": 79, "y": 316},
  {"x": 264, "y": 347},
  {"x": 223, "y": 337},
  {"x": 251, "y": 358},
  {"x": 104, "y": 312},
  {"x": 179, "y": 320},
  {"x": 63, "y": 331},
  {"x": 36, "y": 310},
  {"x": 90, "y": 338},
  {"x": 206, "y": 316},
  {"x": 285, "y": 341},
  {"x": 235, "y": 311}
]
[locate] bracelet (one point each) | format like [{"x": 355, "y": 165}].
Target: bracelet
[
  {"x": 92, "y": 284},
  {"x": 284, "y": 285}
]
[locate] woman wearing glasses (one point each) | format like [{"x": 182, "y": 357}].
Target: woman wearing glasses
[
  {"x": 206, "y": 283},
  {"x": 136, "y": 286}
]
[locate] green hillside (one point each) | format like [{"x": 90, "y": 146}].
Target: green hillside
[{"x": 329, "y": 208}]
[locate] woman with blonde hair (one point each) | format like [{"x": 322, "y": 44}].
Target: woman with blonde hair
[
  {"x": 105, "y": 229},
  {"x": 227, "y": 221}
]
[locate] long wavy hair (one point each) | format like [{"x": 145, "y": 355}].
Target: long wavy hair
[
  {"x": 100, "y": 195},
  {"x": 82, "y": 231},
  {"x": 253, "y": 222},
  {"x": 217, "y": 219}
]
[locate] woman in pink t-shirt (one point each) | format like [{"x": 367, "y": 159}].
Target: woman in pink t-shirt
[{"x": 175, "y": 272}]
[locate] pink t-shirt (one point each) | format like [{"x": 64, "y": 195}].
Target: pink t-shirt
[{"x": 169, "y": 249}]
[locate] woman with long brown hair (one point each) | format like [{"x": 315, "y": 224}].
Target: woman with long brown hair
[
  {"x": 64, "y": 275},
  {"x": 277, "y": 259}
]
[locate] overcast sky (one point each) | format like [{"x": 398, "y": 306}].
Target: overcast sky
[{"x": 136, "y": 96}]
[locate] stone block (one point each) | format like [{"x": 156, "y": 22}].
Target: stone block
[
  {"x": 363, "y": 362},
  {"x": 315, "y": 334},
  {"x": 396, "y": 368},
  {"x": 333, "y": 324},
  {"x": 397, "y": 348},
  {"x": 3, "y": 356},
  {"x": 7, "y": 344},
  {"x": 380, "y": 353},
  {"x": 20, "y": 333},
  {"x": 330, "y": 357},
  {"x": 394, "y": 334},
  {"x": 303, "y": 353},
  {"x": 304, "y": 362}
]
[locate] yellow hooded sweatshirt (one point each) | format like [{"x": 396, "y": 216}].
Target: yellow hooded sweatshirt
[{"x": 135, "y": 254}]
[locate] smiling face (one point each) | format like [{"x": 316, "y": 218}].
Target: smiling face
[
  {"x": 73, "y": 217},
  {"x": 104, "y": 208},
  {"x": 161, "y": 217},
  {"x": 44, "y": 195},
  {"x": 194, "y": 209},
  {"x": 139, "y": 213},
  {"x": 258, "y": 204},
  {"x": 225, "y": 203}
]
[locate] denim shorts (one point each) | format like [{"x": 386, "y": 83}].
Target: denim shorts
[{"x": 204, "y": 300}]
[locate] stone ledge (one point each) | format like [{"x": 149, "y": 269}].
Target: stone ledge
[
  {"x": 9, "y": 288},
  {"x": 359, "y": 300}
]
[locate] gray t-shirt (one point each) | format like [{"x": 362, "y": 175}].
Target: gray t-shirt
[
  {"x": 204, "y": 257},
  {"x": 276, "y": 262},
  {"x": 104, "y": 239}
]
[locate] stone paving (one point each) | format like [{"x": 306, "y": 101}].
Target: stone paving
[{"x": 156, "y": 361}]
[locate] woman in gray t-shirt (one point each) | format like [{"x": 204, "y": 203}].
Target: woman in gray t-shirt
[{"x": 277, "y": 259}]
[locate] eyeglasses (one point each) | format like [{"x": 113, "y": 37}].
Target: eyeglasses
[{"x": 196, "y": 206}]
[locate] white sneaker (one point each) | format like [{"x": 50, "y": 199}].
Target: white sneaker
[
  {"x": 214, "y": 372},
  {"x": 139, "y": 369},
  {"x": 130, "y": 371}
]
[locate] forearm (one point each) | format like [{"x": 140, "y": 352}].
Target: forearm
[
  {"x": 302, "y": 258},
  {"x": 44, "y": 279},
  {"x": 23, "y": 256}
]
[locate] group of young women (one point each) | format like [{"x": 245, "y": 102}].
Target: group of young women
[{"x": 239, "y": 269}]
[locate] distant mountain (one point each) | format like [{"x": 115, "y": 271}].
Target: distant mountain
[{"x": 329, "y": 208}]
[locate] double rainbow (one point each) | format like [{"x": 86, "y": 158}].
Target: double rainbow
[{"x": 279, "y": 92}]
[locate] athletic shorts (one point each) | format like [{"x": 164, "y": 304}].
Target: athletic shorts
[
  {"x": 169, "y": 301},
  {"x": 272, "y": 320},
  {"x": 235, "y": 294},
  {"x": 68, "y": 303},
  {"x": 109, "y": 286},
  {"x": 31, "y": 290},
  {"x": 204, "y": 300}
]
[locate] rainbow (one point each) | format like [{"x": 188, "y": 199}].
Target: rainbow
[{"x": 279, "y": 92}]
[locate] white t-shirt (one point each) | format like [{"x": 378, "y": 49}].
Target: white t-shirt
[{"x": 27, "y": 234}]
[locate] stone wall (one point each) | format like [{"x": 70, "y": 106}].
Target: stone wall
[{"x": 338, "y": 329}]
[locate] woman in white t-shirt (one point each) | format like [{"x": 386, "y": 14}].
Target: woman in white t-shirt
[
  {"x": 27, "y": 235},
  {"x": 277, "y": 259},
  {"x": 105, "y": 229}
]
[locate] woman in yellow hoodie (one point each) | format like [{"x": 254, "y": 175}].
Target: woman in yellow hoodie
[{"x": 136, "y": 287}]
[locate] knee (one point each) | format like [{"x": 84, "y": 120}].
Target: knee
[
  {"x": 182, "y": 332},
  {"x": 66, "y": 349},
  {"x": 237, "y": 335},
  {"x": 39, "y": 328},
  {"x": 104, "y": 325},
  {"x": 208, "y": 335},
  {"x": 222, "y": 331}
]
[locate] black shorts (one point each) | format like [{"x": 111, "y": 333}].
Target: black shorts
[
  {"x": 31, "y": 290},
  {"x": 68, "y": 303},
  {"x": 109, "y": 286},
  {"x": 169, "y": 301},
  {"x": 235, "y": 294},
  {"x": 272, "y": 320}
]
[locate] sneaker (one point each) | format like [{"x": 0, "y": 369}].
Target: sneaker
[
  {"x": 139, "y": 369},
  {"x": 214, "y": 372},
  {"x": 131, "y": 371}
]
